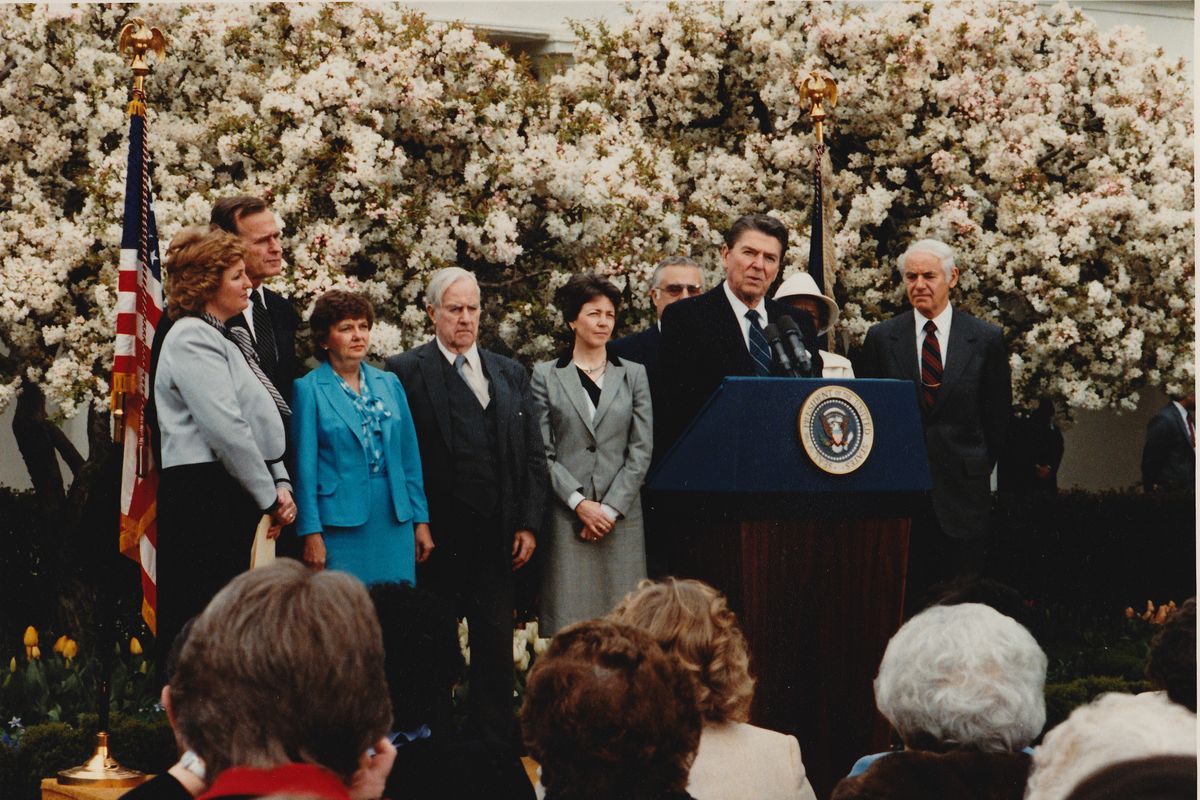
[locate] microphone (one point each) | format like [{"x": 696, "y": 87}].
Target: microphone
[
  {"x": 795, "y": 342},
  {"x": 779, "y": 350}
]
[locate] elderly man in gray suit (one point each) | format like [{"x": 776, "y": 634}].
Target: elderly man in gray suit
[
  {"x": 959, "y": 369},
  {"x": 485, "y": 479}
]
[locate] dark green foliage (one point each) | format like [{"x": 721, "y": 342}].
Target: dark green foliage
[{"x": 1062, "y": 698}]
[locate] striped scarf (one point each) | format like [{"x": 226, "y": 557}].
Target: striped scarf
[{"x": 241, "y": 337}]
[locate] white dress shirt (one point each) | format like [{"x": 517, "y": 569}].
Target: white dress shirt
[
  {"x": 739, "y": 311},
  {"x": 248, "y": 311},
  {"x": 942, "y": 321},
  {"x": 472, "y": 371},
  {"x": 1187, "y": 423}
]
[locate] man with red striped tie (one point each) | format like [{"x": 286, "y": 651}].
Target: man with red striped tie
[{"x": 959, "y": 366}]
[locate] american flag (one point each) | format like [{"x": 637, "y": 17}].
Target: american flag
[{"x": 139, "y": 307}]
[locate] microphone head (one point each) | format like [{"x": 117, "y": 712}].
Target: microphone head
[
  {"x": 786, "y": 324},
  {"x": 771, "y": 332}
]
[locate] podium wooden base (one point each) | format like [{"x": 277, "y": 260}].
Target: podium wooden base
[{"x": 818, "y": 600}]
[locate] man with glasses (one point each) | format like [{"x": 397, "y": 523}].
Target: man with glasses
[{"x": 675, "y": 278}]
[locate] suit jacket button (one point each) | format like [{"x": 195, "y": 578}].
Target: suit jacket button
[{"x": 591, "y": 448}]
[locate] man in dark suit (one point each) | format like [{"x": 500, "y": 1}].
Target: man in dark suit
[
  {"x": 674, "y": 278},
  {"x": 720, "y": 333},
  {"x": 1169, "y": 457},
  {"x": 270, "y": 318},
  {"x": 959, "y": 369},
  {"x": 485, "y": 472}
]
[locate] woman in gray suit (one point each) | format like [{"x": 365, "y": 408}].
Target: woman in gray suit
[
  {"x": 221, "y": 423},
  {"x": 597, "y": 426}
]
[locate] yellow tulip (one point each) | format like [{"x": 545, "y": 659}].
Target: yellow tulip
[
  {"x": 144, "y": 667},
  {"x": 12, "y": 665},
  {"x": 59, "y": 642},
  {"x": 31, "y": 636},
  {"x": 35, "y": 652},
  {"x": 135, "y": 647},
  {"x": 70, "y": 649}
]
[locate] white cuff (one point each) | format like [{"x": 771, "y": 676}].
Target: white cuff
[
  {"x": 575, "y": 499},
  {"x": 609, "y": 511}
]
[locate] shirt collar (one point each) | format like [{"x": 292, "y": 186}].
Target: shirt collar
[
  {"x": 740, "y": 308},
  {"x": 307, "y": 780},
  {"x": 471, "y": 354},
  {"x": 942, "y": 320}
]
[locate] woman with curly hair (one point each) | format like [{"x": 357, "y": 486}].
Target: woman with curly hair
[
  {"x": 609, "y": 716},
  {"x": 221, "y": 428},
  {"x": 692, "y": 621}
]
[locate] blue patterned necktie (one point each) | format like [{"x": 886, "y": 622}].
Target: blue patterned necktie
[{"x": 758, "y": 346}]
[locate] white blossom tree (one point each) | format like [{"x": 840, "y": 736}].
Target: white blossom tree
[{"x": 1055, "y": 159}]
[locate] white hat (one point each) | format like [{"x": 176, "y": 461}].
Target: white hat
[{"x": 801, "y": 284}]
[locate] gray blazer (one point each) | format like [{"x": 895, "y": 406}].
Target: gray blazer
[
  {"x": 211, "y": 407},
  {"x": 605, "y": 458}
]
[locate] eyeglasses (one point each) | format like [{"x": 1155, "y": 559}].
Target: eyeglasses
[{"x": 676, "y": 289}]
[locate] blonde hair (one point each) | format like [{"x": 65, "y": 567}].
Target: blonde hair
[{"x": 692, "y": 620}]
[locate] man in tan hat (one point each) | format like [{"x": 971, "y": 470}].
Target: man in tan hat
[{"x": 800, "y": 291}]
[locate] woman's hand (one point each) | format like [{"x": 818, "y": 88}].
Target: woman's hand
[
  {"x": 596, "y": 523},
  {"x": 424, "y": 541},
  {"x": 314, "y": 551},
  {"x": 369, "y": 779},
  {"x": 285, "y": 511}
]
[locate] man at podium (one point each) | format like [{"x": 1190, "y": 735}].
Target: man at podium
[
  {"x": 959, "y": 366},
  {"x": 720, "y": 333}
]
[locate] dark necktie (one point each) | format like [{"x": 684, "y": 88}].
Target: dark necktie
[
  {"x": 758, "y": 346},
  {"x": 931, "y": 365},
  {"x": 264, "y": 334}
]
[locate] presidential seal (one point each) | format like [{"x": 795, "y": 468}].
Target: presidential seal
[{"x": 836, "y": 429}]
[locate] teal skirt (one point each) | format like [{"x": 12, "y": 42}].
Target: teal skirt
[{"x": 379, "y": 551}]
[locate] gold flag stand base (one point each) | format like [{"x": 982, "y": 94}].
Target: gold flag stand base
[{"x": 101, "y": 770}]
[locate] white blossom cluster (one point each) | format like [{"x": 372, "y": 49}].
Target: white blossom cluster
[{"x": 1056, "y": 160}]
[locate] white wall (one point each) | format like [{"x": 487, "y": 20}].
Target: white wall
[{"x": 1103, "y": 449}]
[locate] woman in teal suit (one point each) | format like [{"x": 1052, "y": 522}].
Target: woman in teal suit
[{"x": 360, "y": 498}]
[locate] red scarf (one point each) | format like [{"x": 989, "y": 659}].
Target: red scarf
[{"x": 307, "y": 780}]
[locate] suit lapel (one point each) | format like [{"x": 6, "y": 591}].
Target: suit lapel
[
  {"x": 903, "y": 343},
  {"x": 568, "y": 379},
  {"x": 614, "y": 378},
  {"x": 961, "y": 349},
  {"x": 435, "y": 384},
  {"x": 730, "y": 333},
  {"x": 337, "y": 398}
]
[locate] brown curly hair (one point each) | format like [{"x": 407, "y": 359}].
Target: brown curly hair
[
  {"x": 692, "y": 620},
  {"x": 608, "y": 715},
  {"x": 196, "y": 258},
  {"x": 330, "y": 309}
]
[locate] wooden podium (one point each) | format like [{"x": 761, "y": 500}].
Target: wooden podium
[{"x": 812, "y": 561}]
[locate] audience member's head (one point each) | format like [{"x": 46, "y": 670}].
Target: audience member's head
[
  {"x": 1153, "y": 778},
  {"x": 963, "y": 677},
  {"x": 692, "y": 621},
  {"x": 1173, "y": 656},
  {"x": 989, "y": 592},
  {"x": 1110, "y": 729},
  {"x": 609, "y": 715},
  {"x": 422, "y": 660},
  {"x": 284, "y": 665}
]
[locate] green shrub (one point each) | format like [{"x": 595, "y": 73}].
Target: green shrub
[
  {"x": 1063, "y": 698},
  {"x": 46, "y": 749}
]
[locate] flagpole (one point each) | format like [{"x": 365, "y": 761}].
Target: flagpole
[
  {"x": 131, "y": 367},
  {"x": 819, "y": 92}
]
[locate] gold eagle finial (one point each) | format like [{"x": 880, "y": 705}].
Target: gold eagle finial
[{"x": 136, "y": 39}]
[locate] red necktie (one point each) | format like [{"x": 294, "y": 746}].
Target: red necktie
[{"x": 931, "y": 365}]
